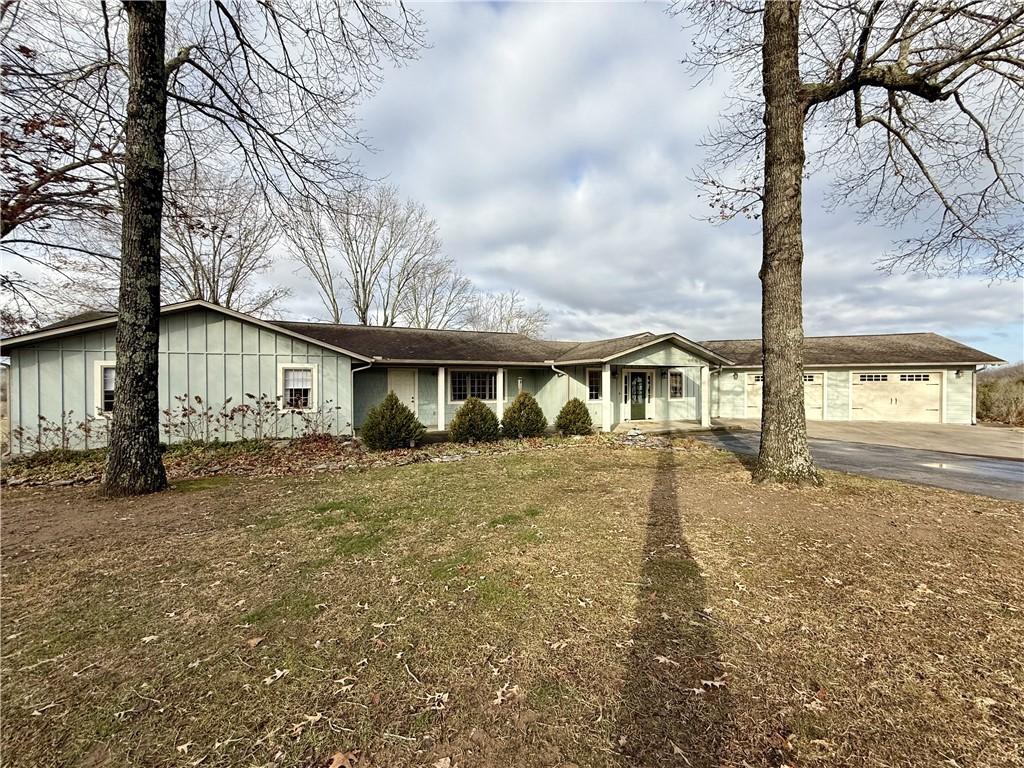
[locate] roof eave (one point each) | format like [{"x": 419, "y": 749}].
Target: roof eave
[
  {"x": 67, "y": 330},
  {"x": 880, "y": 365},
  {"x": 691, "y": 346}
]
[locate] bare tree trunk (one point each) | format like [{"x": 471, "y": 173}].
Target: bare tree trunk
[
  {"x": 134, "y": 465},
  {"x": 784, "y": 456}
]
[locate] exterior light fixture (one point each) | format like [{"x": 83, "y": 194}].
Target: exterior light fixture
[
  {"x": 735, "y": 375},
  {"x": 959, "y": 373}
]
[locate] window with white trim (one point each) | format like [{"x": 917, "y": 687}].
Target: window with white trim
[
  {"x": 915, "y": 377},
  {"x": 676, "y": 385},
  {"x": 297, "y": 388},
  {"x": 593, "y": 384},
  {"x": 873, "y": 377},
  {"x": 758, "y": 378},
  {"x": 479, "y": 384},
  {"x": 107, "y": 382},
  {"x": 809, "y": 377}
]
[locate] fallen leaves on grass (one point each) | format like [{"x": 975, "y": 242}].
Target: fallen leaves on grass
[
  {"x": 278, "y": 674},
  {"x": 507, "y": 693},
  {"x": 344, "y": 759}
]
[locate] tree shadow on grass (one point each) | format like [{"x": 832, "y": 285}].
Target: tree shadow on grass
[{"x": 674, "y": 704}]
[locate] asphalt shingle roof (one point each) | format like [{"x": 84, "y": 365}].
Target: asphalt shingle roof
[
  {"x": 424, "y": 344},
  {"x": 414, "y": 344},
  {"x": 880, "y": 349}
]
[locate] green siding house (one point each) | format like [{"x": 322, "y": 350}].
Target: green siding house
[{"x": 226, "y": 375}]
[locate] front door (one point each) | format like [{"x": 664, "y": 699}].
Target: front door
[
  {"x": 402, "y": 381},
  {"x": 637, "y": 395}
]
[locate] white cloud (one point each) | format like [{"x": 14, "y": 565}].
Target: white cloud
[{"x": 554, "y": 142}]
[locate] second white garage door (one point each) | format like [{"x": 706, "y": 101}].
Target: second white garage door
[
  {"x": 814, "y": 395},
  {"x": 897, "y": 396}
]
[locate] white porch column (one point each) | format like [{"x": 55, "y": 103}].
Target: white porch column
[
  {"x": 441, "y": 399},
  {"x": 501, "y": 393},
  {"x": 606, "y": 398},
  {"x": 705, "y": 396}
]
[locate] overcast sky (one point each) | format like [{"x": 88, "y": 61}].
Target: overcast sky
[{"x": 554, "y": 145}]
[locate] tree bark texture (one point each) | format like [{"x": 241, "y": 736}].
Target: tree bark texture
[
  {"x": 134, "y": 464},
  {"x": 783, "y": 456}
]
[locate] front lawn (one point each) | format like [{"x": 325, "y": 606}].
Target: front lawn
[{"x": 588, "y": 606}]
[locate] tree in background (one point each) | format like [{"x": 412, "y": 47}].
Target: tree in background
[
  {"x": 273, "y": 84},
  {"x": 914, "y": 110},
  {"x": 506, "y": 312},
  {"x": 218, "y": 235},
  {"x": 217, "y": 239},
  {"x": 439, "y": 297},
  {"x": 365, "y": 251}
]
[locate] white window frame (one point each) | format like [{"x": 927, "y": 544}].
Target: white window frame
[
  {"x": 100, "y": 366},
  {"x": 451, "y": 391},
  {"x": 682, "y": 373},
  {"x": 314, "y": 392},
  {"x": 600, "y": 375}
]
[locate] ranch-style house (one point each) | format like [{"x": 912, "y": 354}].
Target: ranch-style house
[{"x": 226, "y": 374}]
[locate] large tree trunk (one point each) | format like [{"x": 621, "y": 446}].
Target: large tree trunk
[
  {"x": 784, "y": 456},
  {"x": 134, "y": 465}
]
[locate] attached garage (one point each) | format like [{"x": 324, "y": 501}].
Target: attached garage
[
  {"x": 898, "y": 377},
  {"x": 896, "y": 396},
  {"x": 814, "y": 395}
]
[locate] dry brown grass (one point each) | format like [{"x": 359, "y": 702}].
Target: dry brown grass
[{"x": 601, "y": 606}]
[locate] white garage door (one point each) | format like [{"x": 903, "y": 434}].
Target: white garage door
[
  {"x": 814, "y": 395},
  {"x": 897, "y": 396}
]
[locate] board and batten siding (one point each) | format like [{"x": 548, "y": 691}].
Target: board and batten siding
[
  {"x": 201, "y": 353},
  {"x": 728, "y": 401},
  {"x": 959, "y": 395}
]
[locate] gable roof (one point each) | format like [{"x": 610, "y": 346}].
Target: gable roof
[
  {"x": 420, "y": 345},
  {"x": 87, "y": 321},
  {"x": 430, "y": 346},
  {"x": 878, "y": 349},
  {"x": 423, "y": 345}
]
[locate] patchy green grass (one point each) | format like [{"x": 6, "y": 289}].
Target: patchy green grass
[{"x": 600, "y": 607}]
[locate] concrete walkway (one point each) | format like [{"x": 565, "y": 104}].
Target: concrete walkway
[
  {"x": 982, "y": 440},
  {"x": 999, "y": 478}
]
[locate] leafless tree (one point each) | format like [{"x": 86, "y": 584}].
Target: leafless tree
[
  {"x": 61, "y": 126},
  {"x": 365, "y": 252},
  {"x": 272, "y": 83},
  {"x": 134, "y": 465},
  {"x": 506, "y": 312},
  {"x": 216, "y": 243},
  {"x": 914, "y": 110},
  {"x": 439, "y": 297},
  {"x": 218, "y": 235}
]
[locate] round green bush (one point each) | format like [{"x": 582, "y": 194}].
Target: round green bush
[
  {"x": 523, "y": 418},
  {"x": 574, "y": 418},
  {"x": 473, "y": 422},
  {"x": 390, "y": 424}
]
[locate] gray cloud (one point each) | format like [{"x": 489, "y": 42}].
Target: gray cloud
[{"x": 554, "y": 142}]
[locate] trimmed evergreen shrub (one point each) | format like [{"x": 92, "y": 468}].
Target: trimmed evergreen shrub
[
  {"x": 574, "y": 418},
  {"x": 473, "y": 422},
  {"x": 523, "y": 418},
  {"x": 390, "y": 424}
]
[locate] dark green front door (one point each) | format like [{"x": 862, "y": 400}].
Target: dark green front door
[{"x": 637, "y": 396}]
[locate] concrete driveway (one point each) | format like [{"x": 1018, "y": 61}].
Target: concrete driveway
[
  {"x": 1000, "y": 478},
  {"x": 982, "y": 440}
]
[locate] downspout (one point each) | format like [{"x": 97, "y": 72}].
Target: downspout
[
  {"x": 559, "y": 372},
  {"x": 352, "y": 382}
]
